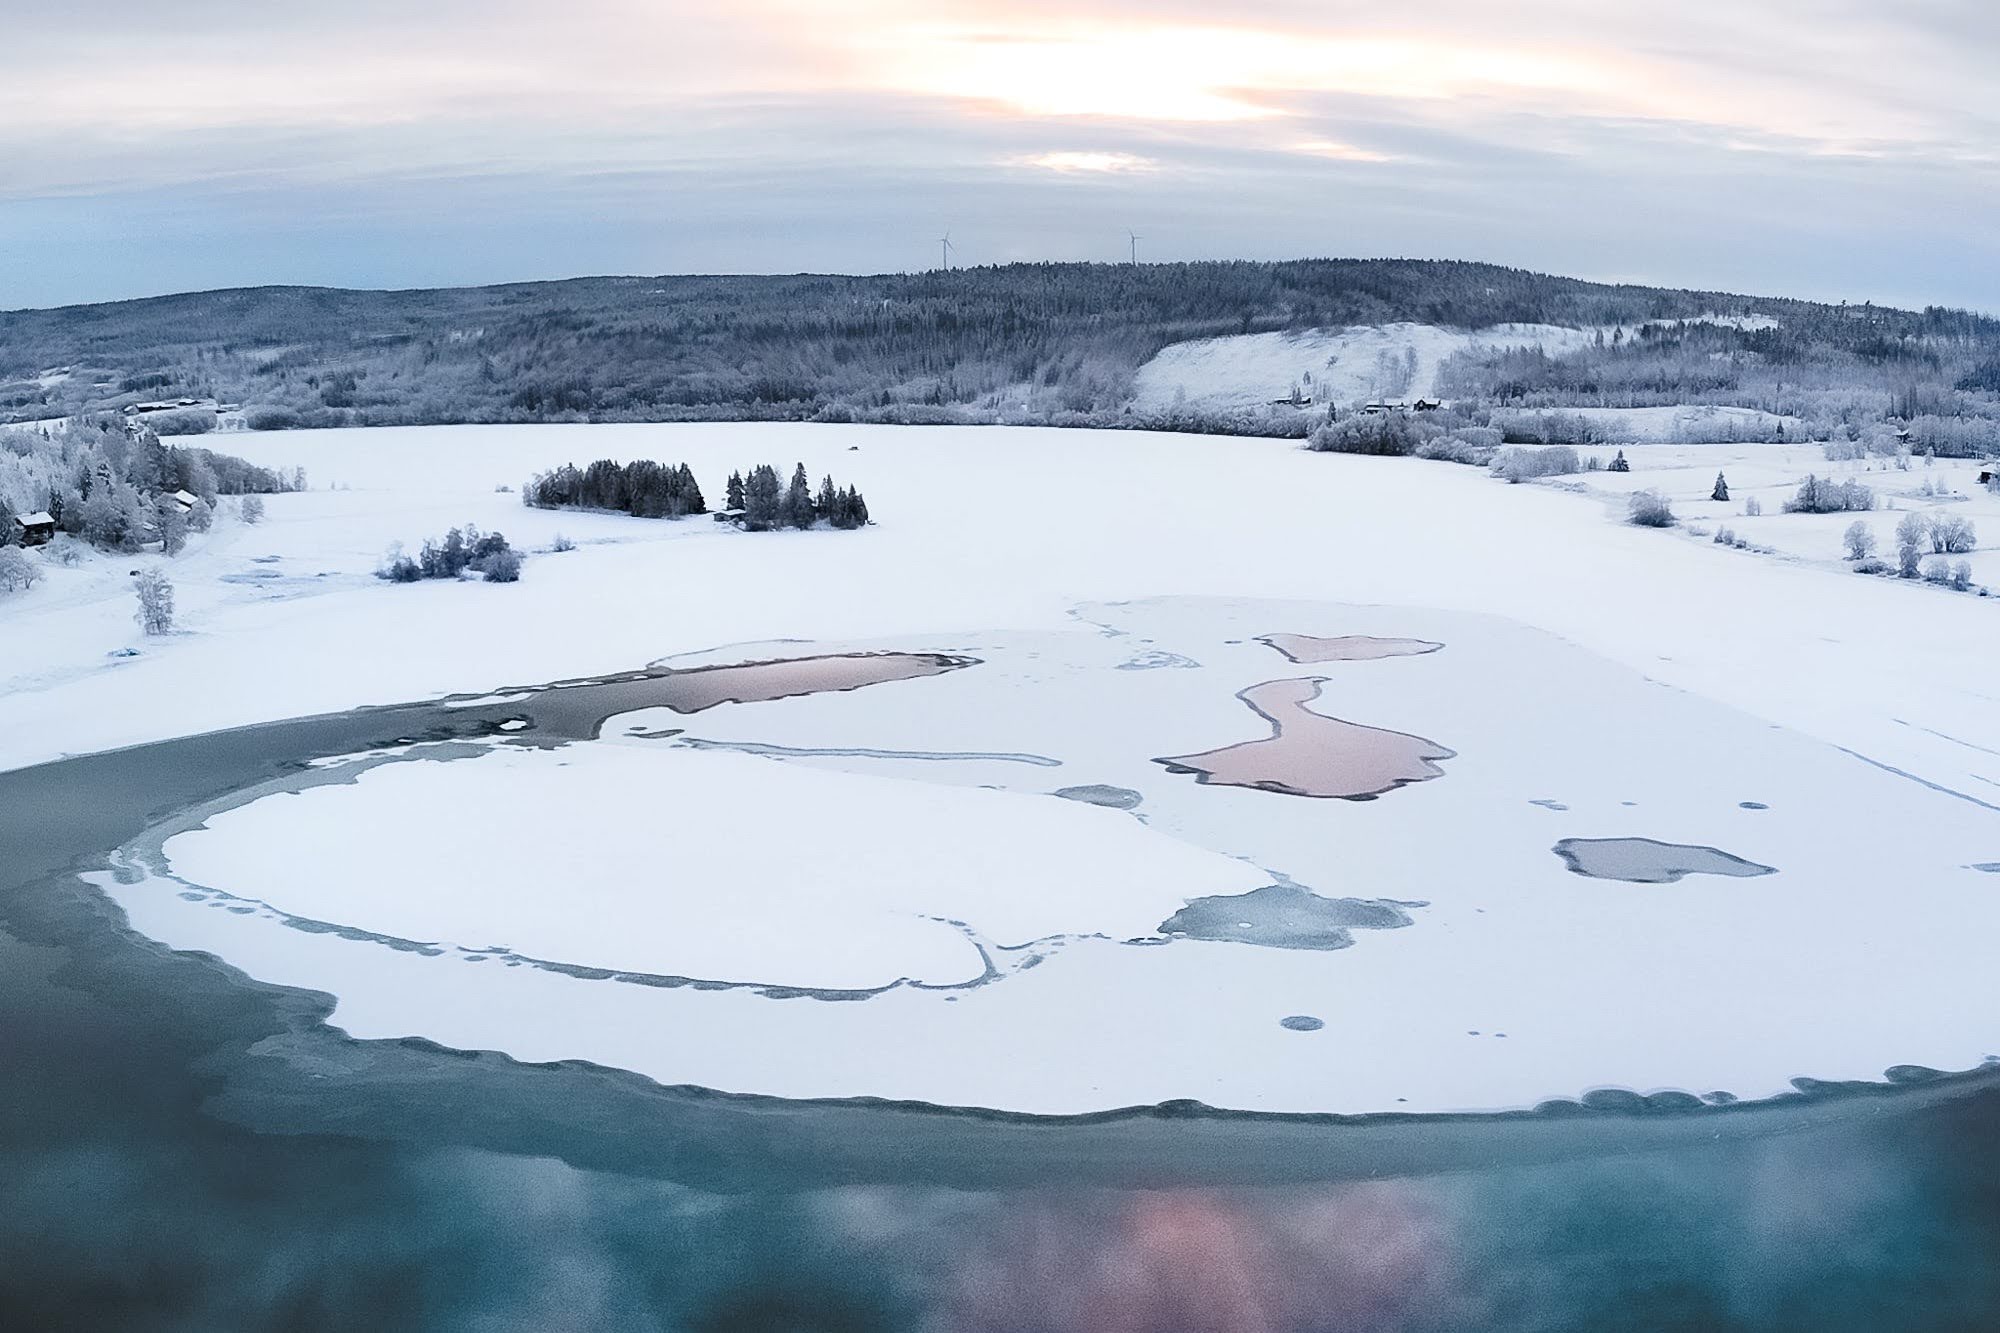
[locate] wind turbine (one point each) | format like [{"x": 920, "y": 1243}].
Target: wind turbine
[
  {"x": 944, "y": 246},
  {"x": 1136, "y": 238}
]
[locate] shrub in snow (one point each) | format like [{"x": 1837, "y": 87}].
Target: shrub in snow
[
  {"x": 562, "y": 543},
  {"x": 1752, "y": 507},
  {"x": 1724, "y": 537},
  {"x": 1961, "y": 574},
  {"x": 65, "y": 550},
  {"x": 1871, "y": 566},
  {"x": 1859, "y": 540},
  {"x": 18, "y": 569},
  {"x": 1649, "y": 509},
  {"x": 270, "y": 418},
  {"x": 1518, "y": 463},
  {"x": 156, "y": 601},
  {"x": 191, "y": 421},
  {"x": 1383, "y": 434},
  {"x": 1470, "y": 445},
  {"x": 502, "y": 566},
  {"x": 1938, "y": 570}
]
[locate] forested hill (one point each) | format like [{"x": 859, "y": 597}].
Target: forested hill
[{"x": 1025, "y": 341}]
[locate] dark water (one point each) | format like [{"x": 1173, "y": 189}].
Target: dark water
[{"x": 182, "y": 1148}]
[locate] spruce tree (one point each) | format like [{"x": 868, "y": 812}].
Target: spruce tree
[
  {"x": 798, "y": 500},
  {"x": 733, "y": 497},
  {"x": 1721, "y": 491},
  {"x": 763, "y": 499},
  {"x": 1618, "y": 463}
]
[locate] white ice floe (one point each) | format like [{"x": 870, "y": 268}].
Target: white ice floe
[{"x": 1514, "y": 981}]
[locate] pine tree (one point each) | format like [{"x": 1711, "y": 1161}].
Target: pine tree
[
  {"x": 828, "y": 500},
  {"x": 1721, "y": 491},
  {"x": 733, "y": 498},
  {"x": 1618, "y": 463},
  {"x": 763, "y": 499},
  {"x": 798, "y": 511}
]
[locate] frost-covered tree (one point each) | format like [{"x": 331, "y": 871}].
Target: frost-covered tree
[
  {"x": 171, "y": 523},
  {"x": 1721, "y": 491},
  {"x": 1618, "y": 463},
  {"x": 155, "y": 592},
  {"x": 1913, "y": 534},
  {"x": 733, "y": 493},
  {"x": 1752, "y": 507},
  {"x": 18, "y": 569},
  {"x": 1952, "y": 535},
  {"x": 253, "y": 509},
  {"x": 1859, "y": 540}
]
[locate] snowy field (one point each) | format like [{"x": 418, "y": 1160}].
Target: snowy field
[
  {"x": 1771, "y": 474},
  {"x": 1586, "y": 665}
]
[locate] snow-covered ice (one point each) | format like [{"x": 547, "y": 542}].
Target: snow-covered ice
[{"x": 1586, "y": 665}]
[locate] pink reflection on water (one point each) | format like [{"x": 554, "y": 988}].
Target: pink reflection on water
[{"x": 1352, "y": 1257}]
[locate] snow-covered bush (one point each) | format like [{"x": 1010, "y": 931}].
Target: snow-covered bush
[
  {"x": 1518, "y": 463},
  {"x": 1871, "y": 566},
  {"x": 1649, "y": 509},
  {"x": 1390, "y": 434},
  {"x": 190, "y": 421},
  {"x": 503, "y": 566},
  {"x": 561, "y": 544}
]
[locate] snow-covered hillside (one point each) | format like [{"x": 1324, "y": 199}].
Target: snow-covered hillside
[
  {"x": 1333, "y": 365},
  {"x": 1355, "y": 364}
]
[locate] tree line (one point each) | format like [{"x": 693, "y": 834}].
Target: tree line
[
  {"x": 758, "y": 500},
  {"x": 641, "y": 488}
]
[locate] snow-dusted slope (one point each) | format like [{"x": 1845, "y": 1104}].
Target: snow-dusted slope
[{"x": 1343, "y": 366}]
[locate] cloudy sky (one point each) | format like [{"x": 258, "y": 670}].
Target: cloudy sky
[{"x": 1827, "y": 148}]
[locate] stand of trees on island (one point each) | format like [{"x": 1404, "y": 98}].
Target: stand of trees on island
[{"x": 758, "y": 501}]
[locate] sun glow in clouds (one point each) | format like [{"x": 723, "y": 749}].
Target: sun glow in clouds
[
  {"x": 1206, "y": 74},
  {"x": 1087, "y": 163}
]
